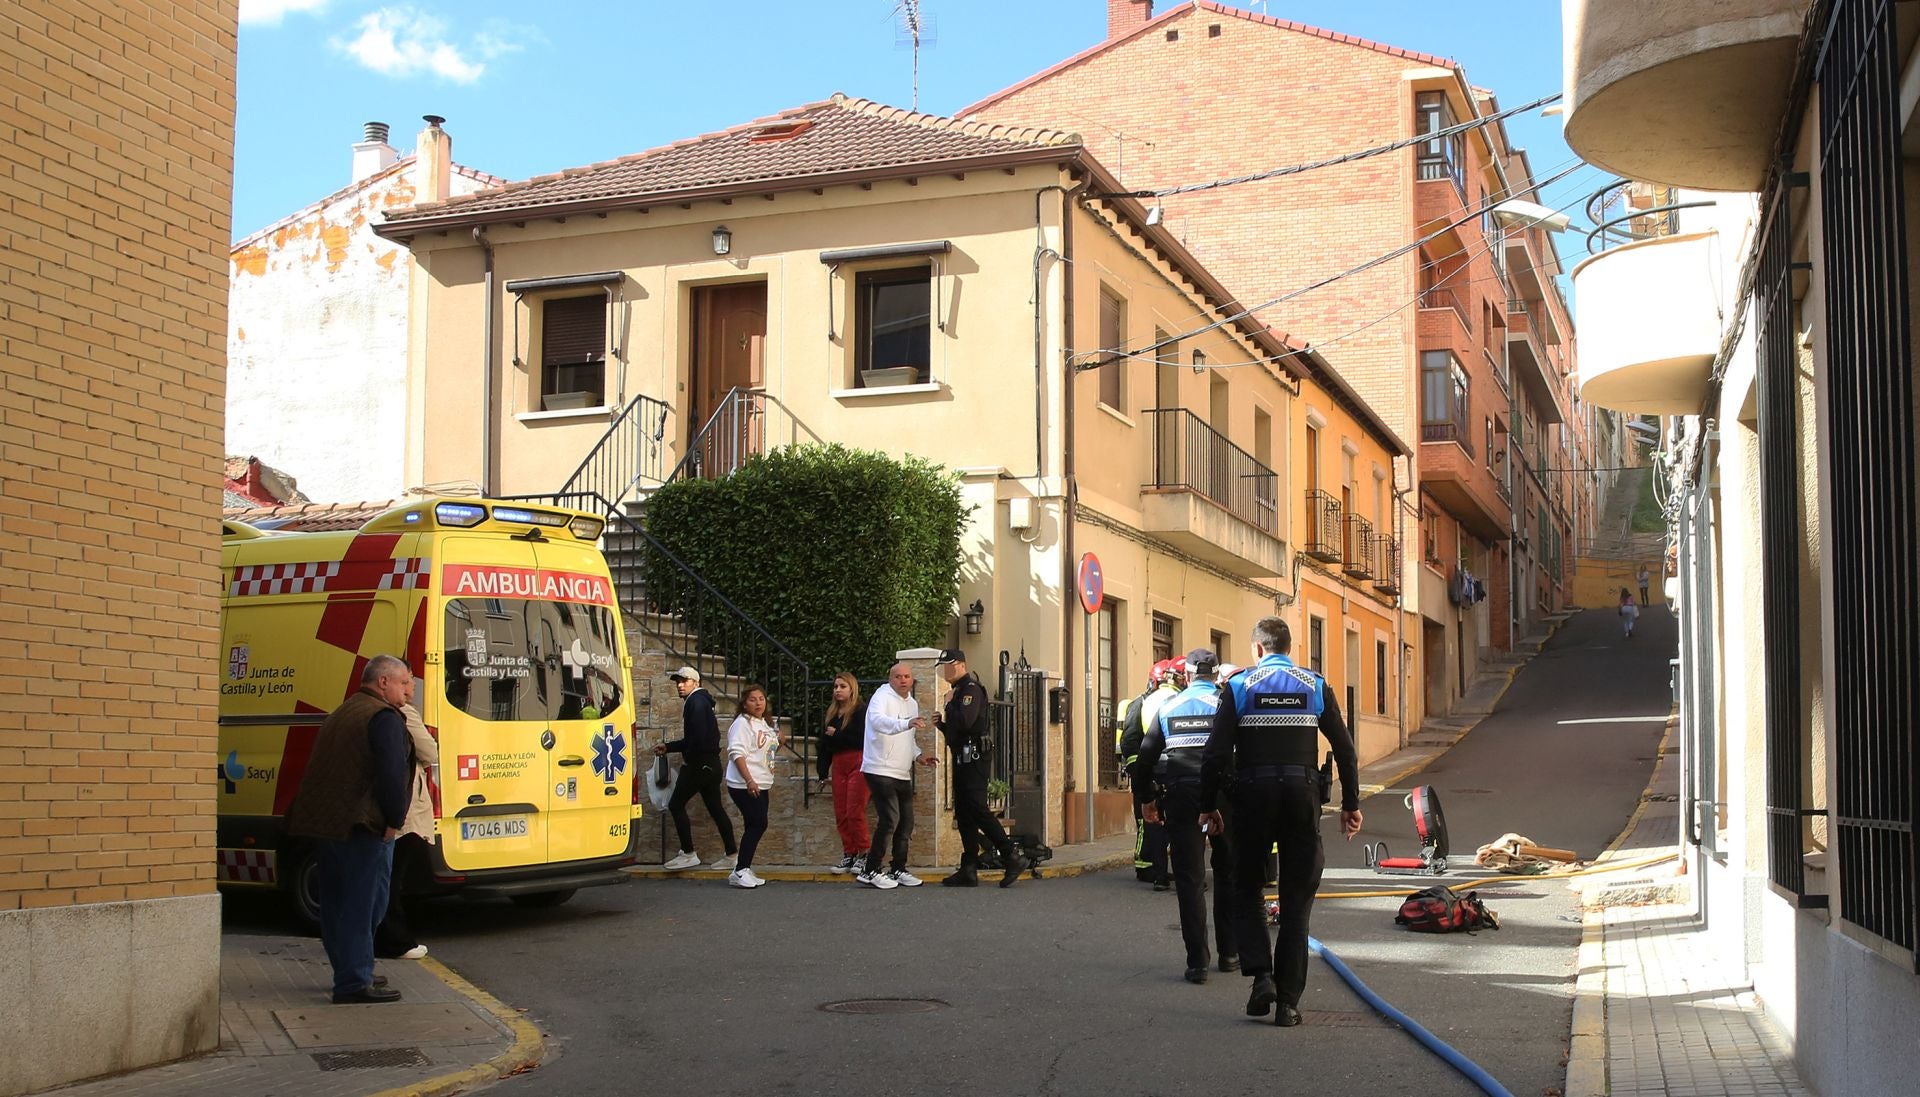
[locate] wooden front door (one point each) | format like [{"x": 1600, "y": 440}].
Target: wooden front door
[{"x": 729, "y": 352}]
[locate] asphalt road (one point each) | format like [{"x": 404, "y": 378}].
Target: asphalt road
[{"x": 1074, "y": 986}]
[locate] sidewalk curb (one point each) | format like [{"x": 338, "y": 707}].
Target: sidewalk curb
[
  {"x": 1587, "y": 1049},
  {"x": 527, "y": 1050},
  {"x": 822, "y": 876}
]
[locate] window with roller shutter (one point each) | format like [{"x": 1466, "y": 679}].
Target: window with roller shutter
[{"x": 573, "y": 352}]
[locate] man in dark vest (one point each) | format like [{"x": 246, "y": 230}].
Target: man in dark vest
[{"x": 352, "y": 803}]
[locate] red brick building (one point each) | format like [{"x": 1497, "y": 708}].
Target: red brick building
[{"x": 1204, "y": 91}]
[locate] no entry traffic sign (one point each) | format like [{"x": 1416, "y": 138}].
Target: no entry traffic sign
[{"x": 1093, "y": 584}]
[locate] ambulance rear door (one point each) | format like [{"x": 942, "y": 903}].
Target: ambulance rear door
[{"x": 582, "y": 648}]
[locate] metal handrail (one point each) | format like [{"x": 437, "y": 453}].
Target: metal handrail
[
  {"x": 1607, "y": 234},
  {"x": 1323, "y": 526},
  {"x": 734, "y": 432},
  {"x": 1357, "y": 551},
  {"x": 633, "y": 446}
]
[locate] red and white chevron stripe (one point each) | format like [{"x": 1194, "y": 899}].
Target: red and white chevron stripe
[
  {"x": 247, "y": 866},
  {"x": 320, "y": 577}
]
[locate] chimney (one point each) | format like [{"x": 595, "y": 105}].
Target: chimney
[
  {"x": 372, "y": 154},
  {"x": 433, "y": 162},
  {"x": 1126, "y": 16}
]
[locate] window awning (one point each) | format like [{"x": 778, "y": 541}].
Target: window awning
[
  {"x": 886, "y": 251},
  {"x": 565, "y": 281}
]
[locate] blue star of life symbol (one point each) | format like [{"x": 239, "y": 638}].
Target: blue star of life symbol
[{"x": 609, "y": 754}]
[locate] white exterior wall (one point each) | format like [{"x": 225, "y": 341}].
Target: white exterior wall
[{"x": 317, "y": 343}]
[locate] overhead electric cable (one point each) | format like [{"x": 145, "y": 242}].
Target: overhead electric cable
[{"x": 1344, "y": 158}]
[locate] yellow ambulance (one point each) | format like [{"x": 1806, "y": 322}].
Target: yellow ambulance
[{"x": 507, "y": 614}]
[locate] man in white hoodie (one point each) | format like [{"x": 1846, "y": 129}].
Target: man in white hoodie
[{"x": 893, "y": 721}]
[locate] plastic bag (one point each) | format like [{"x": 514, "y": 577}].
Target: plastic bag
[{"x": 661, "y": 781}]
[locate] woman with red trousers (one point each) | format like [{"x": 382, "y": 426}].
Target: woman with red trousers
[{"x": 840, "y": 745}]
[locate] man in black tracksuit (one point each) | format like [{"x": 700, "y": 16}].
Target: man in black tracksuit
[
  {"x": 964, "y": 725},
  {"x": 700, "y": 770}
]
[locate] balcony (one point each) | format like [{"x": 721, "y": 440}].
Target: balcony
[
  {"x": 1387, "y": 580},
  {"x": 1453, "y": 430},
  {"x": 1688, "y": 92},
  {"x": 1323, "y": 528},
  {"x": 1211, "y": 498},
  {"x": 1648, "y": 323},
  {"x": 1531, "y": 365},
  {"x": 1357, "y": 557}
]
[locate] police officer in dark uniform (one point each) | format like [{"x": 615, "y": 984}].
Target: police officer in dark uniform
[
  {"x": 964, "y": 725},
  {"x": 1166, "y": 788},
  {"x": 1261, "y": 758}
]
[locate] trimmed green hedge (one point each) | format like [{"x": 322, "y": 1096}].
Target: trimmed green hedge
[{"x": 846, "y": 556}]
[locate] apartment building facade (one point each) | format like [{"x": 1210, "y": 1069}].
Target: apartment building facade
[
  {"x": 1762, "y": 306},
  {"x": 118, "y": 182},
  {"x": 912, "y": 284},
  {"x": 1425, "y": 337}
]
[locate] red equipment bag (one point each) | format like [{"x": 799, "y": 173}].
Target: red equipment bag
[{"x": 1439, "y": 910}]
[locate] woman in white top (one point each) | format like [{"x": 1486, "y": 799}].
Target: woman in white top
[
  {"x": 751, "y": 741},
  {"x": 1628, "y": 610}
]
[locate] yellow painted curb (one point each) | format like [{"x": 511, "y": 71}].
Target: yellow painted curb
[
  {"x": 527, "y": 1050},
  {"x": 1587, "y": 1051},
  {"x": 1666, "y": 736}
]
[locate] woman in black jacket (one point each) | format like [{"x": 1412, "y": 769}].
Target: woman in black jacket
[{"x": 841, "y": 743}]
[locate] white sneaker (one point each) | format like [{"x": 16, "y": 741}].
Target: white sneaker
[
  {"x": 687, "y": 859},
  {"x": 882, "y": 880},
  {"x": 414, "y": 953},
  {"x": 744, "y": 878},
  {"x": 905, "y": 879},
  {"x": 847, "y": 864},
  {"x": 726, "y": 862}
]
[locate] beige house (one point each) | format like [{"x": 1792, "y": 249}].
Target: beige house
[
  {"x": 969, "y": 293},
  {"x": 113, "y": 298}
]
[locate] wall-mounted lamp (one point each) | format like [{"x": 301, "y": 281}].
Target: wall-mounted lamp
[
  {"x": 1199, "y": 361},
  {"x": 973, "y": 615},
  {"x": 722, "y": 240}
]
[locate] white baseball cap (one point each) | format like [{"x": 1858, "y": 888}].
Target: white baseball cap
[{"x": 687, "y": 673}]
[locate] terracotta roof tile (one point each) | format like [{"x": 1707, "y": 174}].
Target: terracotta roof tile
[
  {"x": 837, "y": 135},
  {"x": 310, "y": 517}
]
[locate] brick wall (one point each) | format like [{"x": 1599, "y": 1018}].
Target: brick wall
[{"x": 116, "y": 164}]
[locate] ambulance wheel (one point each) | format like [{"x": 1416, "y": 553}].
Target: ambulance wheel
[
  {"x": 541, "y": 900},
  {"x": 303, "y": 889}
]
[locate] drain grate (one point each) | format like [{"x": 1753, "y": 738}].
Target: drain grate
[
  {"x": 873, "y": 1006},
  {"x": 378, "y": 1058},
  {"x": 1344, "y": 1018}
]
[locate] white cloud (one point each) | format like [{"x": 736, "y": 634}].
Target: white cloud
[
  {"x": 403, "y": 42},
  {"x": 270, "y": 12}
]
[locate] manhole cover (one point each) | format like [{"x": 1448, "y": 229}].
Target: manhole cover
[
  {"x": 1343, "y": 1018},
  {"x": 870, "y": 1006},
  {"x": 371, "y": 1059}
]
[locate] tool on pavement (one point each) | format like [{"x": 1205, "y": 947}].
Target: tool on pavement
[{"x": 1430, "y": 824}]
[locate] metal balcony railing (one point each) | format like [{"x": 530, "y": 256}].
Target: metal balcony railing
[
  {"x": 1190, "y": 455},
  {"x": 1387, "y": 579},
  {"x": 1357, "y": 557},
  {"x": 1323, "y": 527},
  {"x": 1454, "y": 429}
]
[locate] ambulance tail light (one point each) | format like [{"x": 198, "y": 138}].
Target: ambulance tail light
[
  {"x": 586, "y": 529},
  {"x": 459, "y": 515}
]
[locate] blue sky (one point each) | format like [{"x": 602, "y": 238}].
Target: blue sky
[{"x": 533, "y": 88}]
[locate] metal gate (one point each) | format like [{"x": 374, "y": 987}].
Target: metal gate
[{"x": 1019, "y": 741}]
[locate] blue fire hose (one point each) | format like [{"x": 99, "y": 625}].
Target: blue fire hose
[{"x": 1473, "y": 1071}]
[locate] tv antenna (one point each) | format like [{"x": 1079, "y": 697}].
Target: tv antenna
[{"x": 914, "y": 28}]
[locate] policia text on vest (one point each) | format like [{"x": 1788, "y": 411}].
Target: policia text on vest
[{"x": 1260, "y": 760}]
